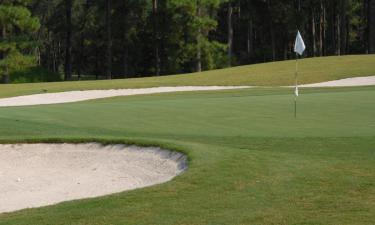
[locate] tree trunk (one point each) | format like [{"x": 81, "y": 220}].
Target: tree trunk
[
  {"x": 199, "y": 58},
  {"x": 343, "y": 26},
  {"x": 5, "y": 75},
  {"x": 371, "y": 26},
  {"x": 230, "y": 32},
  {"x": 331, "y": 43},
  {"x": 156, "y": 36},
  {"x": 250, "y": 42},
  {"x": 125, "y": 63},
  {"x": 2, "y": 36},
  {"x": 81, "y": 55},
  {"x": 125, "y": 51},
  {"x": 321, "y": 27},
  {"x": 59, "y": 54},
  {"x": 313, "y": 33},
  {"x": 108, "y": 72},
  {"x": 338, "y": 34},
  {"x": 54, "y": 57},
  {"x": 365, "y": 33},
  {"x": 273, "y": 41},
  {"x": 324, "y": 29},
  {"x": 347, "y": 37},
  {"x": 199, "y": 53},
  {"x": 68, "y": 41},
  {"x": 96, "y": 63},
  {"x": 285, "y": 41}
]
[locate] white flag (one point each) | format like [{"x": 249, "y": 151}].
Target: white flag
[
  {"x": 296, "y": 91},
  {"x": 299, "y": 45}
]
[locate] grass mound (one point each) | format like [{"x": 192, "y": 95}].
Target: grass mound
[{"x": 312, "y": 70}]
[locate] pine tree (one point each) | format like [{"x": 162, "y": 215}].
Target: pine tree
[
  {"x": 371, "y": 26},
  {"x": 16, "y": 46},
  {"x": 68, "y": 40}
]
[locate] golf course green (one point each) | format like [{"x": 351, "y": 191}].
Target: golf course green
[{"x": 250, "y": 160}]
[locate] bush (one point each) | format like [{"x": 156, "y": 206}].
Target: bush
[
  {"x": 24, "y": 69},
  {"x": 34, "y": 74}
]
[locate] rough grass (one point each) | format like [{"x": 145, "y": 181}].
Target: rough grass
[
  {"x": 251, "y": 162},
  {"x": 312, "y": 70}
]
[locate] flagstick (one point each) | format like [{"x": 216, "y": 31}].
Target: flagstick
[
  {"x": 296, "y": 85},
  {"x": 299, "y": 48}
]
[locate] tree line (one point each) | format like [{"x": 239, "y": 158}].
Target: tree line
[{"x": 119, "y": 39}]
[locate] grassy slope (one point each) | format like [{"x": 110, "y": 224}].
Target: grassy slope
[
  {"x": 251, "y": 161},
  {"x": 268, "y": 74}
]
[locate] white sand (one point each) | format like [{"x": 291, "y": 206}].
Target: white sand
[
  {"x": 77, "y": 96},
  {"x": 348, "y": 82},
  {"x": 34, "y": 175}
]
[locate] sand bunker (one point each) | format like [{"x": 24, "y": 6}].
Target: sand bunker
[
  {"x": 34, "y": 175},
  {"x": 77, "y": 96},
  {"x": 348, "y": 82}
]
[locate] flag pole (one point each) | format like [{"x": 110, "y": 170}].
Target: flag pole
[
  {"x": 296, "y": 86},
  {"x": 299, "y": 48}
]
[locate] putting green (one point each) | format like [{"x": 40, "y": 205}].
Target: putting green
[{"x": 251, "y": 162}]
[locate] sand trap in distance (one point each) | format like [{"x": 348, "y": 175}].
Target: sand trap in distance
[
  {"x": 77, "y": 96},
  {"x": 34, "y": 175},
  {"x": 348, "y": 82}
]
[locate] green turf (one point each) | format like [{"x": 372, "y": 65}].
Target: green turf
[
  {"x": 251, "y": 162},
  {"x": 312, "y": 70}
]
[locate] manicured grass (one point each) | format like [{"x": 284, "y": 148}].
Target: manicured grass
[
  {"x": 251, "y": 162},
  {"x": 312, "y": 70}
]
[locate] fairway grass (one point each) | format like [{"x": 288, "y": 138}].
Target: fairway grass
[
  {"x": 250, "y": 160},
  {"x": 311, "y": 70}
]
